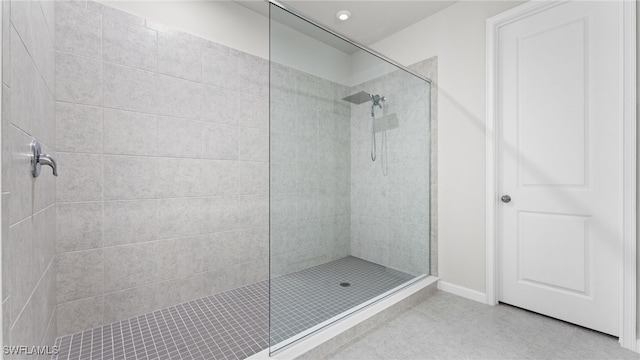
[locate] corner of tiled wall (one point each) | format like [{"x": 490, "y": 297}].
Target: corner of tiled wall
[
  {"x": 391, "y": 222},
  {"x": 163, "y": 150},
  {"x": 28, "y": 221}
]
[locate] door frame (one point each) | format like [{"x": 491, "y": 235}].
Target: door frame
[{"x": 628, "y": 260}]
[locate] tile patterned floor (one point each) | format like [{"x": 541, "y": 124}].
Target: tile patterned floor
[
  {"x": 450, "y": 327},
  {"x": 304, "y": 299},
  {"x": 235, "y": 324}
]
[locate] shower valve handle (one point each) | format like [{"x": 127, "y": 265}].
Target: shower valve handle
[{"x": 38, "y": 159}]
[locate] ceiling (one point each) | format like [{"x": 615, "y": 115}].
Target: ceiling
[{"x": 370, "y": 20}]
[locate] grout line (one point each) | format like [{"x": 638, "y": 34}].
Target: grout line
[
  {"x": 196, "y": 197},
  {"x": 158, "y": 157},
  {"x": 266, "y": 226},
  {"x": 33, "y": 291}
]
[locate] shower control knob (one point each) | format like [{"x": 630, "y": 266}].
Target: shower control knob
[{"x": 506, "y": 198}]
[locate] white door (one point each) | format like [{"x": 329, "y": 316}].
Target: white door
[{"x": 560, "y": 160}]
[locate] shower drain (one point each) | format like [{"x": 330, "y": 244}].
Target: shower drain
[{"x": 345, "y": 284}]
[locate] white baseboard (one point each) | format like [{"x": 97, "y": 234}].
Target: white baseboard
[
  {"x": 462, "y": 291},
  {"x": 638, "y": 346}
]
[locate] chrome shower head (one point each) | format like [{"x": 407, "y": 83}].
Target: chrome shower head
[
  {"x": 363, "y": 97},
  {"x": 359, "y": 98}
]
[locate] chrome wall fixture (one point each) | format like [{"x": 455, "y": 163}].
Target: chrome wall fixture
[
  {"x": 38, "y": 159},
  {"x": 376, "y": 100}
]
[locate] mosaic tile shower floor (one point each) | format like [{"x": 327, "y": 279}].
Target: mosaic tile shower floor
[{"x": 235, "y": 324}]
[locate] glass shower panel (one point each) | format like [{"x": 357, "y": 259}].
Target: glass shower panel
[{"x": 349, "y": 178}]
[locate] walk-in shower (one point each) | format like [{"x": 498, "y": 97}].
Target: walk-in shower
[
  {"x": 209, "y": 203},
  {"x": 337, "y": 217}
]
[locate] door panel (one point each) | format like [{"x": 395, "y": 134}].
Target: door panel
[
  {"x": 562, "y": 240},
  {"x": 560, "y": 117},
  {"x": 551, "y": 90}
]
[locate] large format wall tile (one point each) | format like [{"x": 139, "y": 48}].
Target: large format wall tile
[
  {"x": 130, "y": 177},
  {"x": 78, "y": 30},
  {"x": 42, "y": 50},
  {"x": 6, "y": 43},
  {"x": 181, "y": 217},
  {"x": 127, "y": 222},
  {"x": 236, "y": 276},
  {"x": 255, "y": 112},
  {"x": 79, "y": 177},
  {"x": 179, "y": 57},
  {"x": 6, "y": 143},
  {"x": 128, "y": 44},
  {"x": 253, "y": 144},
  {"x": 220, "y": 177},
  {"x": 22, "y": 264},
  {"x": 253, "y": 75},
  {"x": 235, "y": 212},
  {"x": 79, "y": 315},
  {"x": 43, "y": 302},
  {"x": 80, "y": 274},
  {"x": 137, "y": 90},
  {"x": 179, "y": 138},
  {"x": 220, "y": 141},
  {"x": 130, "y": 133},
  {"x": 78, "y": 128},
  {"x": 23, "y": 87},
  {"x": 124, "y": 304},
  {"x": 129, "y": 266},
  {"x": 6, "y": 269},
  {"x": 220, "y": 66},
  {"x": 220, "y": 105},
  {"x": 78, "y": 79},
  {"x": 113, "y": 12},
  {"x": 79, "y": 226},
  {"x": 44, "y": 239},
  {"x": 44, "y": 115},
  {"x": 179, "y": 178},
  {"x": 22, "y": 20},
  {"x": 21, "y": 180}
]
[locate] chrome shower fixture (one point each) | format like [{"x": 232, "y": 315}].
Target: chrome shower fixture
[
  {"x": 359, "y": 98},
  {"x": 376, "y": 100}
]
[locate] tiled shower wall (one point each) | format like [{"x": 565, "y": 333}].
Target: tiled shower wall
[
  {"x": 310, "y": 170},
  {"x": 29, "y": 216},
  {"x": 390, "y": 197},
  {"x": 163, "y": 152}
]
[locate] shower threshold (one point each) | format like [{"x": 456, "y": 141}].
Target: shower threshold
[{"x": 235, "y": 324}]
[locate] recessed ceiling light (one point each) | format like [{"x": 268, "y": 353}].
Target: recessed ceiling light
[{"x": 343, "y": 15}]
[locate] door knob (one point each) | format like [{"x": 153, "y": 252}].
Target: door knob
[{"x": 505, "y": 198}]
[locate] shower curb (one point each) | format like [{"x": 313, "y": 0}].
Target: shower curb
[{"x": 340, "y": 334}]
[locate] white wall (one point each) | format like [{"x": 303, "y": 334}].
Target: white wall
[{"x": 456, "y": 36}]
